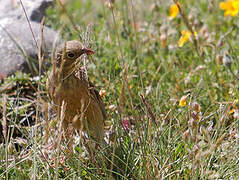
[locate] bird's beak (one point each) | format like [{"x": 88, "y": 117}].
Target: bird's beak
[{"x": 88, "y": 51}]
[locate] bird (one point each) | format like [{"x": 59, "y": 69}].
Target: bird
[{"x": 69, "y": 83}]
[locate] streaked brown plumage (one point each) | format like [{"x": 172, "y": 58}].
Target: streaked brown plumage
[{"x": 68, "y": 83}]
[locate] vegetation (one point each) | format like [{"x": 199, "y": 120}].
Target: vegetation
[{"x": 170, "y": 73}]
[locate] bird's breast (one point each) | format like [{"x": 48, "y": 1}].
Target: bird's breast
[{"x": 73, "y": 91}]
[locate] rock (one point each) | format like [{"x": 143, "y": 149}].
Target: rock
[
  {"x": 39, "y": 10},
  {"x": 18, "y": 50},
  {"x": 35, "y": 9}
]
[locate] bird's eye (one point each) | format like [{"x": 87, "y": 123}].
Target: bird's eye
[{"x": 70, "y": 55}]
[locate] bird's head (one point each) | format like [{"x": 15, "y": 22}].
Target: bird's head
[{"x": 70, "y": 52}]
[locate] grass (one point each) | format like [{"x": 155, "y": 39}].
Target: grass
[{"x": 145, "y": 74}]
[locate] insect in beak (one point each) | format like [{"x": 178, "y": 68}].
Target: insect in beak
[{"x": 88, "y": 51}]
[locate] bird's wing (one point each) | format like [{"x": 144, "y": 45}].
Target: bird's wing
[
  {"x": 99, "y": 100},
  {"x": 81, "y": 74}
]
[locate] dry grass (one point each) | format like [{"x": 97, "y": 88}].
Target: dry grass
[{"x": 151, "y": 135}]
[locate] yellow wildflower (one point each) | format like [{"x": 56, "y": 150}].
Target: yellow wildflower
[
  {"x": 173, "y": 11},
  {"x": 232, "y": 111},
  {"x": 185, "y": 37},
  {"x": 231, "y": 7},
  {"x": 183, "y": 101}
]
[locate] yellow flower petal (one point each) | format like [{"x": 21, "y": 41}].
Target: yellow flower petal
[
  {"x": 183, "y": 101},
  {"x": 234, "y": 13},
  {"x": 231, "y": 111},
  {"x": 173, "y": 11},
  {"x": 231, "y": 7},
  {"x": 223, "y": 5},
  {"x": 184, "y": 37},
  {"x": 181, "y": 42}
]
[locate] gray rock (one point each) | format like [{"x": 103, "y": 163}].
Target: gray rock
[
  {"x": 18, "y": 50},
  {"x": 17, "y": 47},
  {"x": 35, "y": 9},
  {"x": 39, "y": 9}
]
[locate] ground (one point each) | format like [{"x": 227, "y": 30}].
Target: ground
[{"x": 168, "y": 71}]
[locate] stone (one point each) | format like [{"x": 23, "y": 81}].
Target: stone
[
  {"x": 18, "y": 50},
  {"x": 35, "y": 9}
]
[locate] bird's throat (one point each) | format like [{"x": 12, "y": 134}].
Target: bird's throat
[{"x": 67, "y": 71}]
